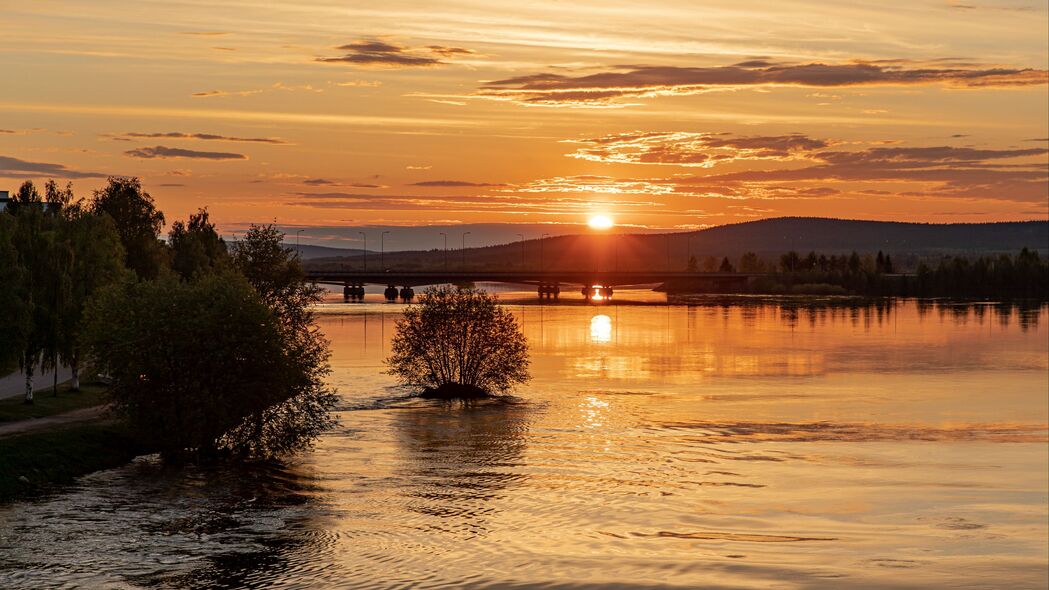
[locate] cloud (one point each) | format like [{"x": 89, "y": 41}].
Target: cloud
[
  {"x": 459, "y": 183},
  {"x": 223, "y": 93},
  {"x": 693, "y": 149},
  {"x": 449, "y": 51},
  {"x": 160, "y": 151},
  {"x": 204, "y": 33},
  {"x": 327, "y": 182},
  {"x": 591, "y": 184},
  {"x": 501, "y": 203},
  {"x": 938, "y": 171},
  {"x": 374, "y": 53},
  {"x": 620, "y": 82},
  {"x": 199, "y": 136},
  {"x": 15, "y": 168}
]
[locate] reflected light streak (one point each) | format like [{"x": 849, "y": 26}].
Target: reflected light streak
[{"x": 600, "y": 329}]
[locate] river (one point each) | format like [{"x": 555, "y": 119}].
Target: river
[{"x": 747, "y": 444}]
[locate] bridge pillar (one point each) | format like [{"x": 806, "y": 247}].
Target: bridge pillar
[
  {"x": 407, "y": 294},
  {"x": 549, "y": 290},
  {"x": 390, "y": 293}
]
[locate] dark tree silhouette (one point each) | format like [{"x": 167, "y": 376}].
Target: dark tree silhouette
[
  {"x": 138, "y": 222},
  {"x": 251, "y": 392},
  {"x": 196, "y": 247},
  {"x": 459, "y": 343}
]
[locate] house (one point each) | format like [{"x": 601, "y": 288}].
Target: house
[{"x": 4, "y": 198}]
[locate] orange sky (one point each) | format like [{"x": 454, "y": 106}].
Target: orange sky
[{"x": 659, "y": 114}]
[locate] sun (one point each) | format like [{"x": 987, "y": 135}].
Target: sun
[{"x": 599, "y": 222}]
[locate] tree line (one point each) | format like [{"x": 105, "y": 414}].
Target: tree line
[
  {"x": 1023, "y": 275},
  {"x": 211, "y": 349}
]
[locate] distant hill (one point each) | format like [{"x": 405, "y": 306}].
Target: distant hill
[
  {"x": 768, "y": 238},
  {"x": 308, "y": 252}
]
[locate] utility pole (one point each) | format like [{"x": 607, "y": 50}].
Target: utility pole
[
  {"x": 464, "y": 249},
  {"x": 298, "y": 250},
  {"x": 364, "y": 236},
  {"x": 445, "y": 250},
  {"x": 382, "y": 250}
]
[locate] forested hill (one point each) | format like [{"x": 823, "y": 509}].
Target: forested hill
[
  {"x": 772, "y": 236},
  {"x": 768, "y": 238}
]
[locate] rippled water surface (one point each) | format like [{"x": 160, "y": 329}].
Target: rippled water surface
[{"x": 756, "y": 445}]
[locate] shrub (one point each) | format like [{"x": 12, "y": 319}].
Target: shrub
[
  {"x": 204, "y": 369},
  {"x": 459, "y": 343}
]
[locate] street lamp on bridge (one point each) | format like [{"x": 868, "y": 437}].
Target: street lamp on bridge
[
  {"x": 364, "y": 249},
  {"x": 463, "y": 251},
  {"x": 445, "y": 250},
  {"x": 382, "y": 250}
]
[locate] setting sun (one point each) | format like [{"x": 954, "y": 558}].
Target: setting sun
[{"x": 599, "y": 222}]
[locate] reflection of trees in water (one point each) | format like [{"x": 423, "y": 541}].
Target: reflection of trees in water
[
  {"x": 869, "y": 312},
  {"x": 459, "y": 457}
]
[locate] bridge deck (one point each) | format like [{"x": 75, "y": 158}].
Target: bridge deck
[{"x": 581, "y": 277}]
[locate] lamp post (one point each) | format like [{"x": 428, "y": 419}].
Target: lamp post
[
  {"x": 298, "y": 250},
  {"x": 364, "y": 237},
  {"x": 463, "y": 251},
  {"x": 382, "y": 250},
  {"x": 522, "y": 251},
  {"x": 542, "y": 244},
  {"x": 445, "y": 250}
]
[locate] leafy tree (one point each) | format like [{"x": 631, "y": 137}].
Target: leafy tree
[
  {"x": 138, "y": 222},
  {"x": 726, "y": 266},
  {"x": 249, "y": 393},
  {"x": 196, "y": 247},
  {"x": 790, "y": 262},
  {"x": 750, "y": 262},
  {"x": 710, "y": 264},
  {"x": 459, "y": 343},
  {"x": 97, "y": 261},
  {"x": 693, "y": 265},
  {"x": 14, "y": 305},
  {"x": 25, "y": 197},
  {"x": 43, "y": 256}
]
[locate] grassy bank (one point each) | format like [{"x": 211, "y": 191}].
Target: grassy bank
[
  {"x": 33, "y": 463},
  {"x": 45, "y": 403}
]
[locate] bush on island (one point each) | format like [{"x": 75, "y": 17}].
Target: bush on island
[{"x": 458, "y": 344}]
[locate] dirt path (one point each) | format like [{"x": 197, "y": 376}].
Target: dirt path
[{"x": 33, "y": 424}]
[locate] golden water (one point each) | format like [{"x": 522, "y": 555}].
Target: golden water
[{"x": 706, "y": 446}]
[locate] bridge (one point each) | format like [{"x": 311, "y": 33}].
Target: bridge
[{"x": 594, "y": 283}]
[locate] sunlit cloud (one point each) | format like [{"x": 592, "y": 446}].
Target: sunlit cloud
[
  {"x": 693, "y": 149},
  {"x": 593, "y": 184},
  {"x": 621, "y": 82},
  {"x": 160, "y": 151},
  {"x": 455, "y": 183},
  {"x": 197, "y": 136},
  {"x": 16, "y": 168},
  {"x": 375, "y": 53}
]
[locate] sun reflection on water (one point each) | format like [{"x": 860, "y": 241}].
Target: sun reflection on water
[{"x": 601, "y": 329}]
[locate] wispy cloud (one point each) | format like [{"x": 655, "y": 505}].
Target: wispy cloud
[
  {"x": 375, "y": 53},
  {"x": 162, "y": 152},
  {"x": 198, "y": 136},
  {"x": 693, "y": 149},
  {"x": 455, "y": 183},
  {"x": 16, "y": 168},
  {"x": 622, "y": 82}
]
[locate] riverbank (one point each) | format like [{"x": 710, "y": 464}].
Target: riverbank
[
  {"x": 56, "y": 439},
  {"x": 36, "y": 462}
]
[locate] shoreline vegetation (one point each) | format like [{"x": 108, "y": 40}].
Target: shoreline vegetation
[{"x": 91, "y": 283}]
